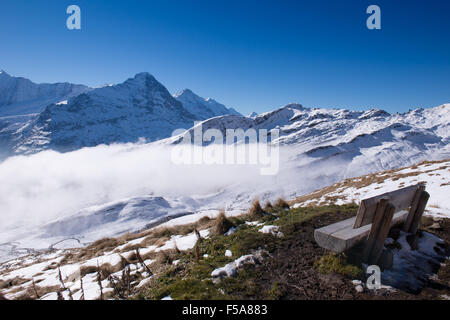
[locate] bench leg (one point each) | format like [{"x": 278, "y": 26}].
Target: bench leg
[
  {"x": 413, "y": 209},
  {"x": 376, "y": 224},
  {"x": 379, "y": 231},
  {"x": 419, "y": 212}
]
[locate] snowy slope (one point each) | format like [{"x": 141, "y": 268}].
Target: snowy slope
[
  {"x": 435, "y": 175},
  {"x": 20, "y": 96},
  {"x": 41, "y": 266},
  {"x": 364, "y": 141},
  {"x": 10, "y": 126},
  {"x": 140, "y": 107},
  {"x": 202, "y": 108}
]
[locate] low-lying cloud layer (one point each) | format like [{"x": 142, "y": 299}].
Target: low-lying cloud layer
[{"x": 42, "y": 187}]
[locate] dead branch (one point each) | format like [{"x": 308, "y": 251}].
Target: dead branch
[
  {"x": 35, "y": 290},
  {"x": 141, "y": 261}
]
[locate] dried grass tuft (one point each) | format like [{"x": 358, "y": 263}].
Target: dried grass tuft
[
  {"x": 222, "y": 224},
  {"x": 256, "y": 212},
  {"x": 282, "y": 204}
]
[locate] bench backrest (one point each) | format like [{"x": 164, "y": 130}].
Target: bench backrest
[{"x": 400, "y": 199}]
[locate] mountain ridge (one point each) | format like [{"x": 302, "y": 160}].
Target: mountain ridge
[
  {"x": 138, "y": 108},
  {"x": 207, "y": 107},
  {"x": 19, "y": 96}
]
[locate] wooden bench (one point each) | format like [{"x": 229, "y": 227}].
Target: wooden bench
[{"x": 375, "y": 217}]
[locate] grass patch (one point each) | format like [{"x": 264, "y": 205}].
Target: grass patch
[
  {"x": 191, "y": 277},
  {"x": 188, "y": 289},
  {"x": 291, "y": 220},
  {"x": 333, "y": 263}
]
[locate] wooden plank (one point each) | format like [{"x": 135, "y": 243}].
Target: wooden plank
[
  {"x": 419, "y": 212},
  {"x": 413, "y": 209},
  {"x": 335, "y": 227},
  {"x": 400, "y": 199},
  {"x": 361, "y": 213},
  {"x": 383, "y": 232},
  {"x": 341, "y": 236},
  {"x": 376, "y": 225}
]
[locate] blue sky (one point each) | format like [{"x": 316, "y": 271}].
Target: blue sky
[{"x": 250, "y": 55}]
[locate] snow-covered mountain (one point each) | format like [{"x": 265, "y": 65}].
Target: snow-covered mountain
[
  {"x": 10, "y": 128},
  {"x": 370, "y": 141},
  {"x": 201, "y": 107},
  {"x": 139, "y": 108},
  {"x": 19, "y": 96}
]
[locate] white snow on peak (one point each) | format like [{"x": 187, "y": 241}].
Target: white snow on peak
[
  {"x": 371, "y": 140},
  {"x": 202, "y": 108},
  {"x": 19, "y": 96},
  {"x": 140, "y": 107}
]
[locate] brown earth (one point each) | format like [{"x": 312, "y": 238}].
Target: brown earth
[{"x": 291, "y": 269}]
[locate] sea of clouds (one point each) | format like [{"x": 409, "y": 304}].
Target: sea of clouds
[{"x": 48, "y": 185}]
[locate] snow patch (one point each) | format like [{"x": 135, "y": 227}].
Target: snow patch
[
  {"x": 231, "y": 268},
  {"x": 274, "y": 230}
]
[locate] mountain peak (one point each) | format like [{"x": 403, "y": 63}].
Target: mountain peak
[
  {"x": 185, "y": 92},
  {"x": 144, "y": 75},
  {"x": 374, "y": 113},
  {"x": 143, "y": 80},
  {"x": 294, "y": 106},
  {"x": 201, "y": 107},
  {"x": 3, "y": 73},
  {"x": 20, "y": 96}
]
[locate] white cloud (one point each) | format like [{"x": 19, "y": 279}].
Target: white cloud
[{"x": 49, "y": 185}]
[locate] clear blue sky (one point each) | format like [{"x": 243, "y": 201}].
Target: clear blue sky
[{"x": 251, "y": 55}]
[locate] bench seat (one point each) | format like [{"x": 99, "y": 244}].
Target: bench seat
[{"x": 341, "y": 236}]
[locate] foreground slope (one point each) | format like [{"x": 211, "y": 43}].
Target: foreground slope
[
  {"x": 435, "y": 175},
  {"x": 269, "y": 255}
]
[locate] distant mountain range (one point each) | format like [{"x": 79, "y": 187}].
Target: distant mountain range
[
  {"x": 363, "y": 141},
  {"x": 141, "y": 107}
]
